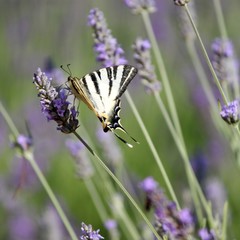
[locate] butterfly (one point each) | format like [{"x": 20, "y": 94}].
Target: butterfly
[{"x": 101, "y": 91}]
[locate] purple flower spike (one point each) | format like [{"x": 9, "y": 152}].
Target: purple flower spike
[
  {"x": 146, "y": 71},
  {"x": 224, "y": 61},
  {"x": 54, "y": 104},
  {"x": 230, "y": 113},
  {"x": 87, "y": 233},
  {"x": 139, "y": 6},
  {"x": 108, "y": 50},
  {"x": 169, "y": 221}
]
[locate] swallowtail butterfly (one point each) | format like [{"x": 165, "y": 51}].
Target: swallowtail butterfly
[{"x": 101, "y": 91}]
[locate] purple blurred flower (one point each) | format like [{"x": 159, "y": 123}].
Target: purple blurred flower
[
  {"x": 87, "y": 233},
  {"x": 139, "y": 6},
  {"x": 230, "y": 113},
  {"x": 112, "y": 227},
  {"x": 199, "y": 165},
  {"x": 224, "y": 61},
  {"x": 21, "y": 226},
  {"x": 52, "y": 224},
  {"x": 148, "y": 185},
  {"x": 106, "y": 46},
  {"x": 54, "y": 104},
  {"x": 168, "y": 220},
  {"x": 52, "y": 72},
  {"x": 83, "y": 163},
  {"x": 216, "y": 194},
  {"x": 205, "y": 234},
  {"x": 23, "y": 142},
  {"x": 146, "y": 71},
  {"x": 110, "y": 224},
  {"x": 111, "y": 150}
]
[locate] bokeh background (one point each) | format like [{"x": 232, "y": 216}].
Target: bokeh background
[{"x": 34, "y": 33}]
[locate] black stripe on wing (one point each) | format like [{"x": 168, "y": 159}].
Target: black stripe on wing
[
  {"x": 128, "y": 74},
  {"x": 95, "y": 82},
  {"x": 85, "y": 84}
]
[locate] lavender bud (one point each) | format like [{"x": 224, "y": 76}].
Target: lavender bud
[
  {"x": 139, "y": 6},
  {"x": 230, "y": 113},
  {"x": 145, "y": 67},
  {"x": 24, "y": 142},
  {"x": 108, "y": 50},
  {"x": 88, "y": 233},
  {"x": 205, "y": 234},
  {"x": 54, "y": 104},
  {"x": 112, "y": 227},
  {"x": 224, "y": 61},
  {"x": 181, "y": 2}
]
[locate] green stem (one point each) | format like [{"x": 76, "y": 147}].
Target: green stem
[
  {"x": 109, "y": 190},
  {"x": 96, "y": 199},
  {"x": 9, "y": 121},
  {"x": 153, "y": 149},
  {"x": 207, "y": 58},
  {"x": 119, "y": 185},
  {"x": 162, "y": 71},
  {"x": 220, "y": 19},
  {"x": 28, "y": 155},
  {"x": 224, "y": 224},
  {"x": 182, "y": 149}
]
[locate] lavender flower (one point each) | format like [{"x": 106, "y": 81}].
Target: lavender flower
[
  {"x": 224, "y": 61},
  {"x": 148, "y": 185},
  {"x": 23, "y": 142},
  {"x": 230, "y": 113},
  {"x": 111, "y": 225},
  {"x": 169, "y": 221},
  {"x": 216, "y": 194},
  {"x": 146, "y": 71},
  {"x": 87, "y": 233},
  {"x": 106, "y": 46},
  {"x": 78, "y": 152},
  {"x": 205, "y": 234},
  {"x": 139, "y": 6},
  {"x": 54, "y": 104}
]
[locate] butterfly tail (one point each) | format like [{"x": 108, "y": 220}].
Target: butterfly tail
[
  {"x": 124, "y": 130},
  {"x": 124, "y": 141}
]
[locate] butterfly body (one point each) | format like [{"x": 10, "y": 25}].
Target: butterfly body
[{"x": 101, "y": 91}]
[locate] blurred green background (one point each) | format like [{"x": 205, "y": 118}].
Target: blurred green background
[{"x": 34, "y": 31}]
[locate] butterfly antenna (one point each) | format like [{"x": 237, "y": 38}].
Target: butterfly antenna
[
  {"x": 69, "y": 71},
  {"x": 124, "y": 141}
]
